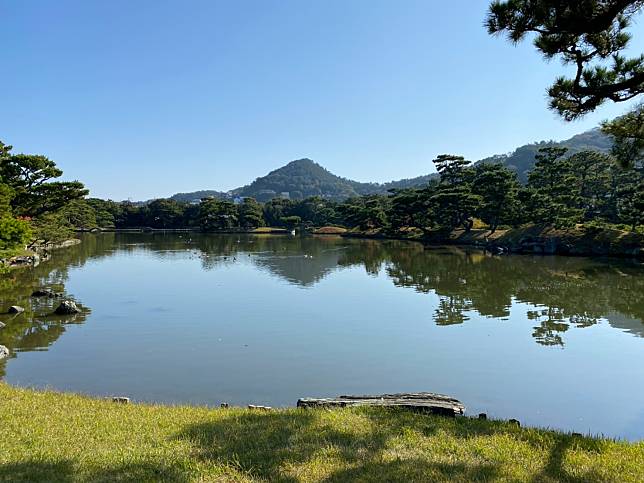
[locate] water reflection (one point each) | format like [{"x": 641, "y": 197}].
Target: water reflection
[
  {"x": 562, "y": 293},
  {"x": 38, "y": 327}
]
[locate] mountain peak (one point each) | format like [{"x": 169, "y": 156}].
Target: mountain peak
[
  {"x": 302, "y": 178},
  {"x": 302, "y": 162}
]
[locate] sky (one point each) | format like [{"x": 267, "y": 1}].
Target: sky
[{"x": 143, "y": 99}]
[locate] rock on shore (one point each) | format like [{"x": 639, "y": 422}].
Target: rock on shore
[{"x": 67, "y": 307}]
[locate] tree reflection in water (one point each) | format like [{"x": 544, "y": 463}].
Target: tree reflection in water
[{"x": 562, "y": 292}]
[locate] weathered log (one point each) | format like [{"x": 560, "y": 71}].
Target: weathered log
[{"x": 421, "y": 401}]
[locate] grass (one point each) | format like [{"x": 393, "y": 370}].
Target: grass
[
  {"x": 330, "y": 230},
  {"x": 48, "y": 436},
  {"x": 269, "y": 229}
]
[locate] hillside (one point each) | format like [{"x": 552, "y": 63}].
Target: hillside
[
  {"x": 300, "y": 179},
  {"x": 523, "y": 158},
  {"x": 303, "y": 177},
  {"x": 197, "y": 195}
]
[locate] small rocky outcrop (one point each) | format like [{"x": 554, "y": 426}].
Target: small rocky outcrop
[
  {"x": 4, "y": 352},
  {"x": 16, "y": 309},
  {"x": 67, "y": 307}
]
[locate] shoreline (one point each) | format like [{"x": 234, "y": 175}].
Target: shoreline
[
  {"x": 52, "y": 436},
  {"x": 531, "y": 240}
]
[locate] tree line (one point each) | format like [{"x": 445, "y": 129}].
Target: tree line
[
  {"x": 562, "y": 190},
  {"x": 587, "y": 187}
]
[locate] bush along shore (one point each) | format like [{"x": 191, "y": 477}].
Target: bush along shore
[
  {"x": 531, "y": 239},
  {"x": 49, "y": 436}
]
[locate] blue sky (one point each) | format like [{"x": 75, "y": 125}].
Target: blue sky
[{"x": 146, "y": 98}]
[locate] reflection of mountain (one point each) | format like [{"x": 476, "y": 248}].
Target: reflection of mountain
[
  {"x": 561, "y": 293},
  {"x": 303, "y": 270},
  {"x": 565, "y": 292}
]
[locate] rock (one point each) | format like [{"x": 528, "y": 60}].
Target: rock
[
  {"x": 43, "y": 292},
  {"x": 4, "y": 352},
  {"x": 224, "y": 405},
  {"x": 2, "y": 326},
  {"x": 121, "y": 399},
  {"x": 16, "y": 309},
  {"x": 482, "y": 416},
  {"x": 515, "y": 422},
  {"x": 67, "y": 307},
  {"x": 260, "y": 408}
]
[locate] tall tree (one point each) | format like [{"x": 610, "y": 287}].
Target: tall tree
[
  {"x": 29, "y": 176},
  {"x": 411, "y": 207},
  {"x": 498, "y": 190},
  {"x": 453, "y": 202},
  {"x": 590, "y": 35},
  {"x": 164, "y": 213},
  {"x": 250, "y": 213},
  {"x": 555, "y": 188},
  {"x": 217, "y": 214},
  {"x": 593, "y": 171}
]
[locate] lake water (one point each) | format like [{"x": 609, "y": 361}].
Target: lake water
[{"x": 190, "y": 318}]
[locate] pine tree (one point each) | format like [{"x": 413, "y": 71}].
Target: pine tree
[{"x": 453, "y": 202}]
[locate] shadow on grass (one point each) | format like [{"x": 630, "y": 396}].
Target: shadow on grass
[
  {"x": 66, "y": 472},
  {"x": 266, "y": 445},
  {"x": 372, "y": 446}
]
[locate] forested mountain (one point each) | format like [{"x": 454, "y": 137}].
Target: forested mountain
[
  {"x": 304, "y": 178},
  {"x": 197, "y": 195},
  {"x": 522, "y": 159},
  {"x": 300, "y": 179}
]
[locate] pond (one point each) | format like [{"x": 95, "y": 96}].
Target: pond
[{"x": 190, "y": 318}]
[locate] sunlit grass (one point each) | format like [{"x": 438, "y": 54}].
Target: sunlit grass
[{"x": 48, "y": 436}]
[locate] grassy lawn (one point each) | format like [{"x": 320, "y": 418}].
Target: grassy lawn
[{"x": 47, "y": 436}]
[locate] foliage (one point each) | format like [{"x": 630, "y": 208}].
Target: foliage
[
  {"x": 80, "y": 214},
  {"x": 52, "y": 228},
  {"x": 250, "y": 214},
  {"x": 554, "y": 189},
  {"x": 216, "y": 214},
  {"x": 497, "y": 188},
  {"x": 631, "y": 204},
  {"x": 562, "y": 190},
  {"x": 454, "y": 203},
  {"x": 290, "y": 222},
  {"x": 29, "y": 176},
  {"x": 164, "y": 213},
  {"x": 590, "y": 35},
  {"x": 14, "y": 233},
  {"x": 628, "y": 137},
  {"x": 366, "y": 212}
]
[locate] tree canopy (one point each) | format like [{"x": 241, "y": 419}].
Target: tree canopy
[{"x": 590, "y": 35}]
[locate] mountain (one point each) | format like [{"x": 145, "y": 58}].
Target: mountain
[
  {"x": 303, "y": 177},
  {"x": 300, "y": 179},
  {"x": 523, "y": 158},
  {"x": 198, "y": 195}
]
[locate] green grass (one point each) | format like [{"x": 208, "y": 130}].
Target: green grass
[
  {"x": 48, "y": 436},
  {"x": 269, "y": 230}
]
